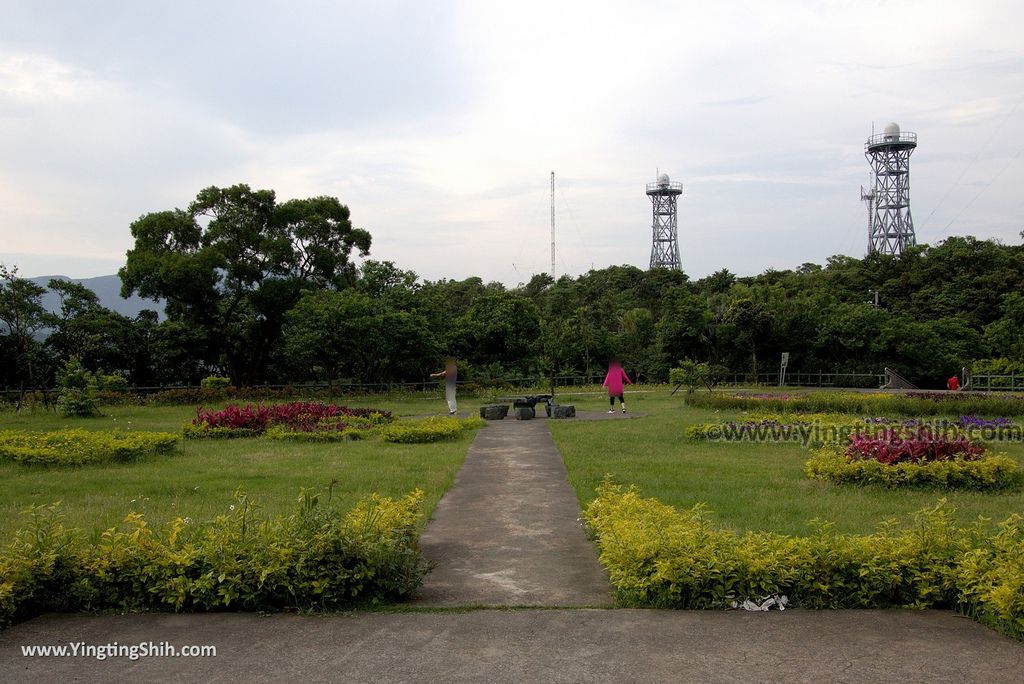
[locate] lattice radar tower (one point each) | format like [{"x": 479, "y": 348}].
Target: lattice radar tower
[
  {"x": 665, "y": 247},
  {"x": 890, "y": 226}
]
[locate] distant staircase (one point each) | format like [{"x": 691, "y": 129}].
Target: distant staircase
[{"x": 894, "y": 380}]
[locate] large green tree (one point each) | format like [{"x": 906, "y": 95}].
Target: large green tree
[
  {"x": 235, "y": 262},
  {"x": 22, "y": 318}
]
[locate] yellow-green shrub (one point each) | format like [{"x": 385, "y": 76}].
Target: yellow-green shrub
[
  {"x": 282, "y": 433},
  {"x": 658, "y": 556},
  {"x": 990, "y": 472},
  {"x": 80, "y": 447},
  {"x": 190, "y": 431},
  {"x": 315, "y": 559},
  {"x": 434, "y": 429},
  {"x": 990, "y": 579},
  {"x": 34, "y": 566}
]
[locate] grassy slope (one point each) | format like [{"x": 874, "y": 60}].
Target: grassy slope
[
  {"x": 200, "y": 479},
  {"x": 747, "y": 486}
]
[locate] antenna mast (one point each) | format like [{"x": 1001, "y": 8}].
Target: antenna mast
[
  {"x": 552, "y": 225},
  {"x": 868, "y": 198}
]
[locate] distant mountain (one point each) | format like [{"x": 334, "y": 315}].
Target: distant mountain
[{"x": 108, "y": 289}]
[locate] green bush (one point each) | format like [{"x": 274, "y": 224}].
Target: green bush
[
  {"x": 702, "y": 431},
  {"x": 81, "y": 447},
  {"x": 77, "y": 395},
  {"x": 690, "y": 373},
  {"x": 315, "y": 559},
  {"x": 77, "y": 403},
  {"x": 998, "y": 367},
  {"x": 34, "y": 566},
  {"x": 215, "y": 382},
  {"x": 113, "y": 382},
  {"x": 990, "y": 472},
  {"x": 433, "y": 429},
  {"x": 658, "y": 556}
]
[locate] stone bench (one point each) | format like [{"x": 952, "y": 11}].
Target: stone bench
[
  {"x": 497, "y": 412},
  {"x": 567, "y": 411},
  {"x": 525, "y": 413}
]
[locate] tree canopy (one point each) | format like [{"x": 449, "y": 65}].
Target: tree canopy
[
  {"x": 269, "y": 292},
  {"x": 235, "y": 262}
]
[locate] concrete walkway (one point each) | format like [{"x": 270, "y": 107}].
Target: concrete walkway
[
  {"x": 530, "y": 645},
  {"x": 507, "y": 533}
]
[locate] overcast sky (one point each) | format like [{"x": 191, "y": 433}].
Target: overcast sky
[{"x": 438, "y": 124}]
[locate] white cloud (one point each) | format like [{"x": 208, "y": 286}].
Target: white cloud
[{"x": 440, "y": 131}]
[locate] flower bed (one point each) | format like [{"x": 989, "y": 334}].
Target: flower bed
[
  {"x": 973, "y": 421},
  {"x": 661, "y": 557},
  {"x": 866, "y": 403},
  {"x": 295, "y": 417},
  {"x": 913, "y": 458},
  {"x": 81, "y": 447},
  {"x": 818, "y": 428},
  {"x": 920, "y": 445},
  {"x": 315, "y": 559},
  {"x": 773, "y": 427}
]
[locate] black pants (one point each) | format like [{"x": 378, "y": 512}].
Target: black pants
[{"x": 611, "y": 399}]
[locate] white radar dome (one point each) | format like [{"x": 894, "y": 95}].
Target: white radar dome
[
  {"x": 662, "y": 179},
  {"x": 892, "y": 131}
]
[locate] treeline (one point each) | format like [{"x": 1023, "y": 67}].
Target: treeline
[{"x": 267, "y": 292}]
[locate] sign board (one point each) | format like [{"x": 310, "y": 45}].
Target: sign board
[{"x": 785, "y": 359}]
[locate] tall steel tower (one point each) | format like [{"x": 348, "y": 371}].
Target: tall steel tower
[
  {"x": 891, "y": 229},
  {"x": 665, "y": 249}
]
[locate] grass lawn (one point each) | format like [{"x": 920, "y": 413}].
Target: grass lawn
[
  {"x": 199, "y": 480},
  {"x": 747, "y": 486}
]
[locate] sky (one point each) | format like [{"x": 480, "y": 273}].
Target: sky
[{"x": 438, "y": 124}]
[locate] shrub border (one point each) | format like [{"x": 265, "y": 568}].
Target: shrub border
[
  {"x": 660, "y": 557},
  {"x": 991, "y": 472}
]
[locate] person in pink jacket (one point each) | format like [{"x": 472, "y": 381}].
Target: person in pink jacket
[{"x": 613, "y": 381}]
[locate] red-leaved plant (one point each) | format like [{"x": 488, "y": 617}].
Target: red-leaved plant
[
  {"x": 298, "y": 416},
  {"x": 911, "y": 446}
]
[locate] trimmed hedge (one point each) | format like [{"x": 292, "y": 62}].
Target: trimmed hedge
[
  {"x": 434, "y": 429},
  {"x": 314, "y": 559},
  {"x": 658, "y": 556},
  {"x": 190, "y": 431},
  {"x": 988, "y": 472},
  {"x": 866, "y": 403},
  {"x": 209, "y": 395},
  {"x": 80, "y": 447},
  {"x": 282, "y": 433}
]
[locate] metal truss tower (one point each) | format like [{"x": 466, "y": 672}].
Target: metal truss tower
[
  {"x": 890, "y": 228},
  {"x": 665, "y": 248}
]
